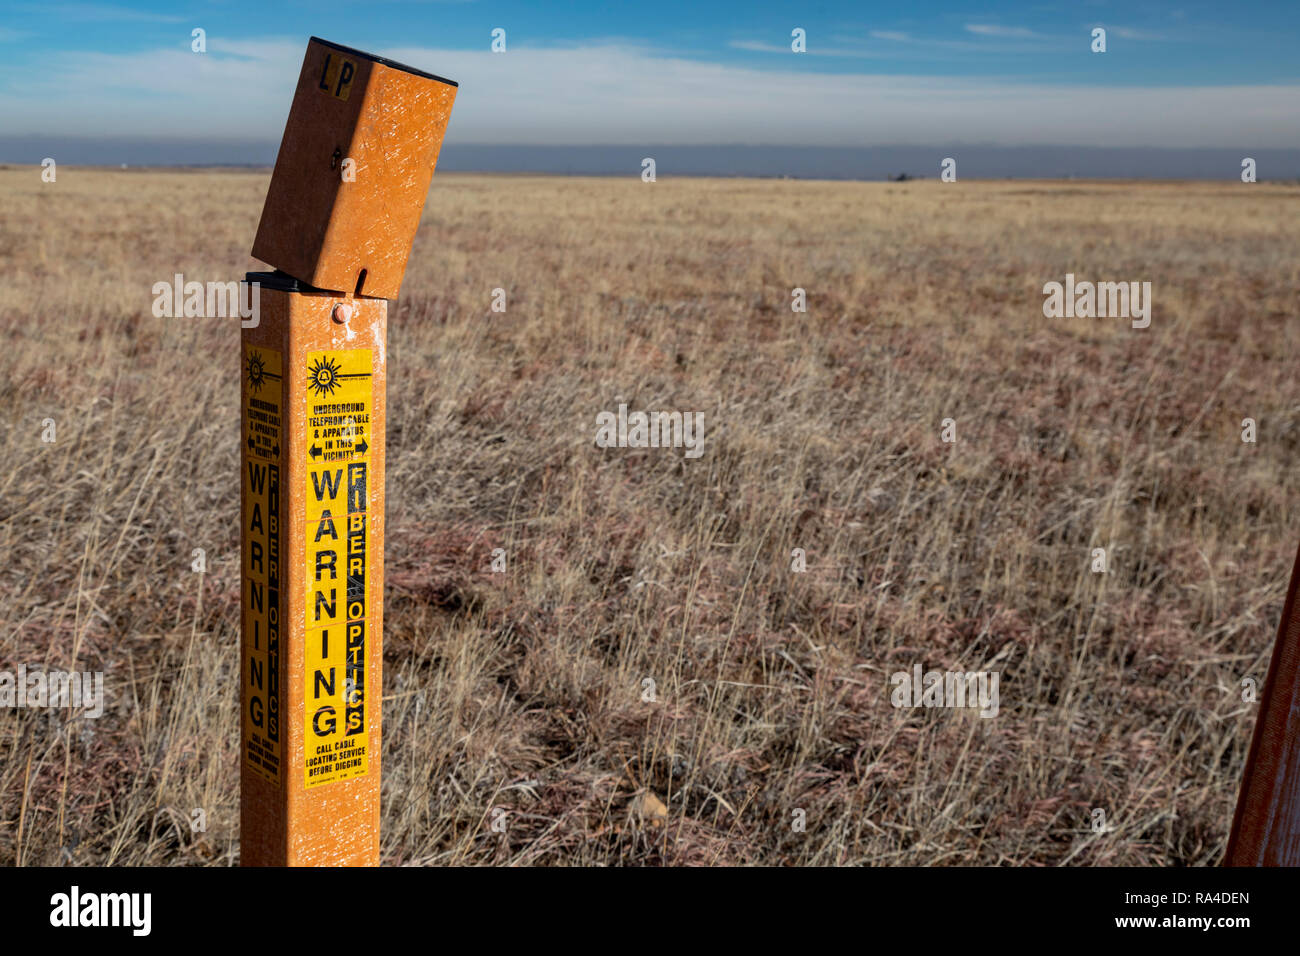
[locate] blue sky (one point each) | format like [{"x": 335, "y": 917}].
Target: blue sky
[{"x": 1182, "y": 74}]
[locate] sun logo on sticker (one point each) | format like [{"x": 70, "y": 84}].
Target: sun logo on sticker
[
  {"x": 256, "y": 371},
  {"x": 323, "y": 377}
]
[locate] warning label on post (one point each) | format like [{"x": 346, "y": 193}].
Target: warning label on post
[
  {"x": 337, "y": 451},
  {"x": 261, "y": 516}
]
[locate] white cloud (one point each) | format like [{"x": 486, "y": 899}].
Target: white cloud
[
  {"x": 813, "y": 49},
  {"x": 895, "y": 35},
  {"x": 993, "y": 30},
  {"x": 624, "y": 95},
  {"x": 758, "y": 46},
  {"x": 1126, "y": 33}
]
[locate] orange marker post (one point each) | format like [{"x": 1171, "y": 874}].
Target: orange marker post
[{"x": 312, "y": 450}]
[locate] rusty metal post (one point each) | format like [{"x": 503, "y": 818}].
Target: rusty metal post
[
  {"x": 341, "y": 212},
  {"x": 1266, "y": 826}
]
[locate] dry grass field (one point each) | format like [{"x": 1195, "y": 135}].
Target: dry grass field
[{"x": 523, "y": 691}]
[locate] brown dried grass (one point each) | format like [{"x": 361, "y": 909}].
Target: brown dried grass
[{"x": 523, "y": 691}]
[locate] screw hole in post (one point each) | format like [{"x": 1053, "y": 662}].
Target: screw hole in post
[{"x": 361, "y": 280}]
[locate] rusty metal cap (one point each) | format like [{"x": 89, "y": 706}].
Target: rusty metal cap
[{"x": 354, "y": 167}]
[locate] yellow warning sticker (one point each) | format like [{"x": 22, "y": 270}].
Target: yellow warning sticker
[
  {"x": 337, "y": 553},
  {"x": 336, "y": 76},
  {"x": 260, "y": 509}
]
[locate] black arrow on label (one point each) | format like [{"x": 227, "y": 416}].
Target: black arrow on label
[
  {"x": 250, "y": 441},
  {"x": 313, "y": 450},
  {"x": 361, "y": 447}
]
